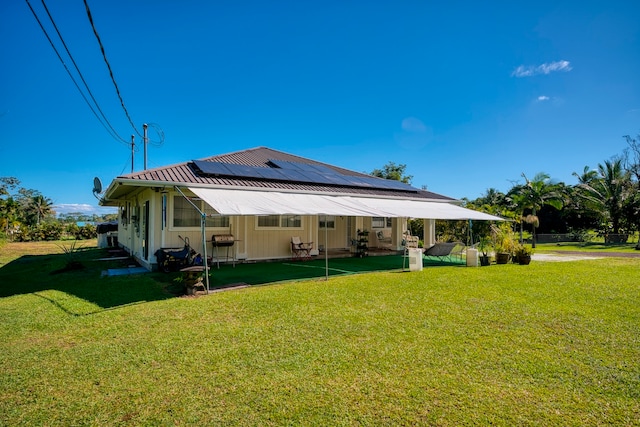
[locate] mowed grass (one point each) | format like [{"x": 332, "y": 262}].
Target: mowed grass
[{"x": 544, "y": 344}]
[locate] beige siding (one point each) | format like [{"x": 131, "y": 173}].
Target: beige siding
[
  {"x": 338, "y": 237},
  {"x": 265, "y": 243}
]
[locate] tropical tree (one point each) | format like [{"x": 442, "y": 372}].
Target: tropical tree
[
  {"x": 608, "y": 192},
  {"x": 393, "y": 171},
  {"x": 9, "y": 208},
  {"x": 587, "y": 176},
  {"x": 39, "y": 207},
  {"x": 536, "y": 193}
]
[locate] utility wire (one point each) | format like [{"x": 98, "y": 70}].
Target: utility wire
[
  {"x": 104, "y": 55},
  {"x": 112, "y": 133},
  {"x": 80, "y": 73}
]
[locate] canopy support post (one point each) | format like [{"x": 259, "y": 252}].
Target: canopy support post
[
  {"x": 326, "y": 250},
  {"x": 203, "y": 224}
]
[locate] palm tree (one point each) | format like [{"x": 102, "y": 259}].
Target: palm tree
[
  {"x": 587, "y": 176},
  {"x": 607, "y": 193},
  {"x": 535, "y": 194},
  {"x": 39, "y": 207}
]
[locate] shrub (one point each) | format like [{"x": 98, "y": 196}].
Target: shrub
[
  {"x": 44, "y": 231},
  {"x": 87, "y": 231}
]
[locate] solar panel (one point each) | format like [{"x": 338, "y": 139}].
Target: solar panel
[
  {"x": 387, "y": 184},
  {"x": 358, "y": 181},
  {"x": 270, "y": 173},
  {"x": 243, "y": 171},
  {"x": 284, "y": 164},
  {"x": 299, "y": 172},
  {"x": 212, "y": 168},
  {"x": 334, "y": 178},
  {"x": 322, "y": 169},
  {"x": 294, "y": 175}
]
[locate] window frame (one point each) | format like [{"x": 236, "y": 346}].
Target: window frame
[
  {"x": 203, "y": 207},
  {"x": 323, "y": 220},
  {"x": 280, "y": 226},
  {"x": 386, "y": 221}
]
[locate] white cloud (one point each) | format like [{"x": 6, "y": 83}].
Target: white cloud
[
  {"x": 543, "y": 98},
  {"x": 546, "y": 68},
  {"x": 415, "y": 134},
  {"x": 412, "y": 124}
]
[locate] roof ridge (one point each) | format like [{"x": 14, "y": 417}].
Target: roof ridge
[{"x": 232, "y": 153}]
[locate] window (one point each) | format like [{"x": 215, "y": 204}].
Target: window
[
  {"x": 381, "y": 222},
  {"x": 292, "y": 221},
  {"x": 279, "y": 221},
  {"x": 214, "y": 219},
  {"x": 185, "y": 215},
  {"x": 327, "y": 221},
  {"x": 377, "y": 222},
  {"x": 269, "y": 221}
]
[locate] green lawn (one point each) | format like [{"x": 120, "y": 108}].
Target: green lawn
[{"x": 544, "y": 344}]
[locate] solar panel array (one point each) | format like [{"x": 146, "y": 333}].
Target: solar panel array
[{"x": 281, "y": 170}]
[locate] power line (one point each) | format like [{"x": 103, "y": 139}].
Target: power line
[
  {"x": 104, "y": 55},
  {"x": 80, "y": 73},
  {"x": 109, "y": 129}
]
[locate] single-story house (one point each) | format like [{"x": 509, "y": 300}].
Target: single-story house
[{"x": 264, "y": 197}]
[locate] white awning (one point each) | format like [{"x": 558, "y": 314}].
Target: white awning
[{"x": 248, "y": 202}]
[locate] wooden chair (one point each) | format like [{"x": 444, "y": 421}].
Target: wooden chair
[{"x": 300, "y": 250}]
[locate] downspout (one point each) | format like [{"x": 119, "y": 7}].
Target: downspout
[{"x": 203, "y": 219}]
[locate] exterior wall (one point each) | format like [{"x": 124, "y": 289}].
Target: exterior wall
[
  {"x": 271, "y": 243},
  {"x": 338, "y": 237},
  {"x": 252, "y": 242},
  {"x": 137, "y": 228}
]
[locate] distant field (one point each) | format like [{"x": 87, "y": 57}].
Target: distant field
[{"x": 544, "y": 344}]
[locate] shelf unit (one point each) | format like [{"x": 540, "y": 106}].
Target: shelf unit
[{"x": 362, "y": 244}]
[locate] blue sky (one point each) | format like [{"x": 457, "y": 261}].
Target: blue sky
[{"x": 468, "y": 95}]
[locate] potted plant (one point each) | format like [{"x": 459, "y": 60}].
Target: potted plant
[
  {"x": 523, "y": 254},
  {"x": 483, "y": 246},
  {"x": 504, "y": 243}
]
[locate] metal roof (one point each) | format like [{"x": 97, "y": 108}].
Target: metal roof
[{"x": 182, "y": 174}]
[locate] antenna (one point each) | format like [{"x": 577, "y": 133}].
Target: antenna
[{"x": 97, "y": 187}]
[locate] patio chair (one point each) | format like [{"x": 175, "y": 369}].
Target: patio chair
[
  {"x": 384, "y": 239},
  {"x": 300, "y": 250}
]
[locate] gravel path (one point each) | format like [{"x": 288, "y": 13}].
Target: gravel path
[
  {"x": 602, "y": 254},
  {"x": 562, "y": 256}
]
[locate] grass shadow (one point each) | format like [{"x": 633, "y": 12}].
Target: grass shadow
[
  {"x": 31, "y": 274},
  {"x": 77, "y": 287}
]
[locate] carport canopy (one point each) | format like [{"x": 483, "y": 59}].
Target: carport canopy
[{"x": 250, "y": 202}]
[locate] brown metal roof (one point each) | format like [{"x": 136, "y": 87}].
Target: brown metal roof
[{"x": 183, "y": 173}]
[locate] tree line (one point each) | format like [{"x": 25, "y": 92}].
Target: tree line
[
  {"x": 605, "y": 201},
  {"x": 26, "y": 214}
]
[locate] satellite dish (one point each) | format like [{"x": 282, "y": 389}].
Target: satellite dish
[{"x": 97, "y": 186}]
